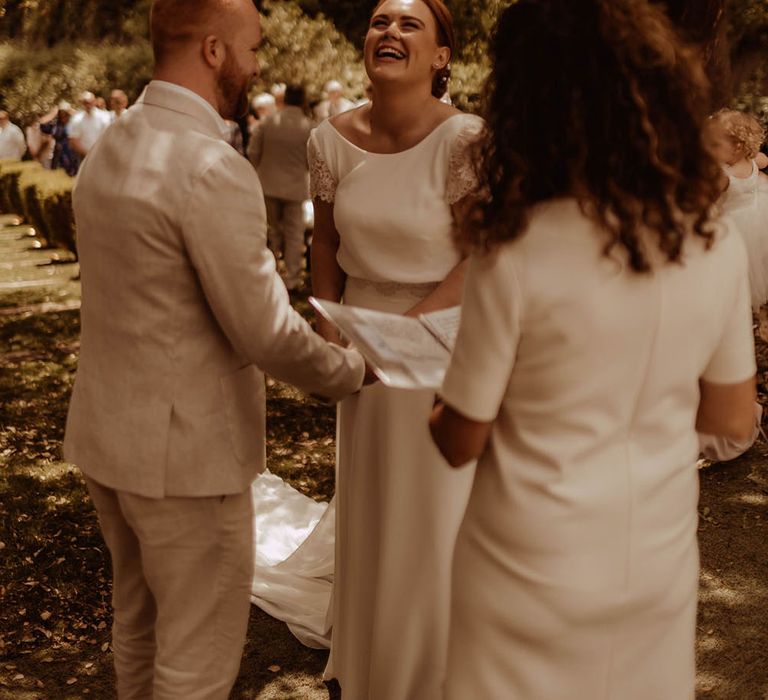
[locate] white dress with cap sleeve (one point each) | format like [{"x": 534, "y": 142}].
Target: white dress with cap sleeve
[
  {"x": 398, "y": 505},
  {"x": 746, "y": 202}
]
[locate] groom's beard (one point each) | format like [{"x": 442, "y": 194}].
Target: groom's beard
[{"x": 233, "y": 90}]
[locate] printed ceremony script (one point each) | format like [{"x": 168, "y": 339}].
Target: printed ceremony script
[{"x": 404, "y": 352}]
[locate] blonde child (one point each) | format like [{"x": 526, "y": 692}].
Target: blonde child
[{"x": 735, "y": 139}]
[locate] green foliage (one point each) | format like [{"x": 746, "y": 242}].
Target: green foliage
[
  {"x": 474, "y": 23},
  {"x": 47, "y": 196},
  {"x": 32, "y": 206},
  {"x": 54, "y": 192},
  {"x": 10, "y": 172},
  {"x": 297, "y": 48},
  {"x": 309, "y": 51},
  {"x": 748, "y": 23},
  {"x": 5, "y": 204},
  {"x": 466, "y": 87},
  {"x": 349, "y": 16},
  {"x": 33, "y": 80},
  {"x": 50, "y": 22},
  {"x": 43, "y": 197}
]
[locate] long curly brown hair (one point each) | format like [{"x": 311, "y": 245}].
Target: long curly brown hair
[{"x": 598, "y": 100}]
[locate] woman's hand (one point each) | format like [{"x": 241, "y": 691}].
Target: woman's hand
[{"x": 459, "y": 439}]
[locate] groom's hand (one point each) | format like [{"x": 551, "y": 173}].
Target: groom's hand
[{"x": 370, "y": 376}]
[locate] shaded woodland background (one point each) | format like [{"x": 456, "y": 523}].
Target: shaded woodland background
[{"x": 52, "y": 49}]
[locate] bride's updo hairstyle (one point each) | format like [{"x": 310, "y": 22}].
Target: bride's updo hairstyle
[
  {"x": 602, "y": 101},
  {"x": 446, "y": 36}
]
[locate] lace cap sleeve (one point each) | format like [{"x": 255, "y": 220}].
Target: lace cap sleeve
[
  {"x": 462, "y": 179},
  {"x": 322, "y": 183}
]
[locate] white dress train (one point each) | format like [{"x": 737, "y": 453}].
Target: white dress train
[{"x": 294, "y": 558}]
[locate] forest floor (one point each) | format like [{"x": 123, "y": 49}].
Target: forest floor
[{"x": 55, "y": 572}]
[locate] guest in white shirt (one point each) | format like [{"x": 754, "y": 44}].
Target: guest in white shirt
[
  {"x": 118, "y": 101},
  {"x": 278, "y": 151},
  {"x": 12, "y": 143},
  {"x": 335, "y": 103},
  {"x": 86, "y": 126}
]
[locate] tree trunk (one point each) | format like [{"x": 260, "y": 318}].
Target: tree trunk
[
  {"x": 705, "y": 23},
  {"x": 11, "y": 18}
]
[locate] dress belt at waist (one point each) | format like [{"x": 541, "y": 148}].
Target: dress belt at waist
[{"x": 416, "y": 289}]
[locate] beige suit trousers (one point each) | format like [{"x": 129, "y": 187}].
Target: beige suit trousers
[
  {"x": 286, "y": 235},
  {"x": 182, "y": 571}
]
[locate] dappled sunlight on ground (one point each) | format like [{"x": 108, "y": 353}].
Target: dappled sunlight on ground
[
  {"x": 54, "y": 578},
  {"x": 296, "y": 686},
  {"x": 732, "y": 646}
]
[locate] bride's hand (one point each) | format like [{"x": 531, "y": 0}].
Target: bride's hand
[{"x": 329, "y": 332}]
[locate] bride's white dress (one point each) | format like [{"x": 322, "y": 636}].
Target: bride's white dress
[
  {"x": 294, "y": 557},
  {"x": 399, "y": 504}
]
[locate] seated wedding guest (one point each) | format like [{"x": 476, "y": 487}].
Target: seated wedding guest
[
  {"x": 118, "y": 101},
  {"x": 87, "y": 125},
  {"x": 12, "y": 143},
  {"x": 334, "y": 102},
  {"x": 278, "y": 151},
  {"x": 39, "y": 145},
  {"x": 167, "y": 413},
  {"x": 56, "y": 124},
  {"x": 606, "y": 318}
]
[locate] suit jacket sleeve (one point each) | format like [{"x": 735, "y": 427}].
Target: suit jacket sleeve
[{"x": 224, "y": 229}]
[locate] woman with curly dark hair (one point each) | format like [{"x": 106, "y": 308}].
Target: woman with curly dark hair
[{"x": 605, "y": 319}]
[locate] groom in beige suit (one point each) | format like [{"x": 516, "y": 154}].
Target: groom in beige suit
[{"x": 182, "y": 312}]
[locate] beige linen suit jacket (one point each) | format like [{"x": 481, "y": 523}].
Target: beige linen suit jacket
[
  {"x": 182, "y": 310},
  {"x": 278, "y": 151}
]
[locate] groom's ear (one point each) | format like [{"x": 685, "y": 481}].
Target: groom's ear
[{"x": 214, "y": 51}]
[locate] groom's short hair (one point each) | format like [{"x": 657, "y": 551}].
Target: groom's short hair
[{"x": 174, "y": 23}]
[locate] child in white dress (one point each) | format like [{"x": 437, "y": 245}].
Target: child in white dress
[{"x": 735, "y": 139}]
